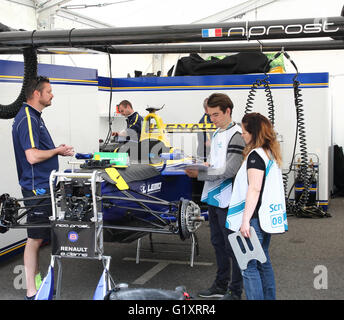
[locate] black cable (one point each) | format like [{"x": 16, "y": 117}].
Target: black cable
[
  {"x": 271, "y": 109},
  {"x": 300, "y": 208},
  {"x": 70, "y": 37},
  {"x": 266, "y": 84},
  {"x": 301, "y": 132},
  {"x": 32, "y": 41},
  {"x": 251, "y": 97},
  {"x": 109, "y": 134},
  {"x": 30, "y": 72}
]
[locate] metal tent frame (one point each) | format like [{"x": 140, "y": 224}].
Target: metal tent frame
[{"x": 186, "y": 38}]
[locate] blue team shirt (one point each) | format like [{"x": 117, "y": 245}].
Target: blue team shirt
[
  {"x": 29, "y": 131},
  {"x": 134, "y": 122}
]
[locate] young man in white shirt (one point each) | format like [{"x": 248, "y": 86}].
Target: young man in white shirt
[{"x": 224, "y": 162}]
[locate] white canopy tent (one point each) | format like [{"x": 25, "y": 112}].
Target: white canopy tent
[{"x": 69, "y": 14}]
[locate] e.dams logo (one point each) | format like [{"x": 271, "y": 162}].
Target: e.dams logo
[{"x": 73, "y": 236}]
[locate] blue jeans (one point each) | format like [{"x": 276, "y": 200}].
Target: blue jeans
[{"x": 258, "y": 278}]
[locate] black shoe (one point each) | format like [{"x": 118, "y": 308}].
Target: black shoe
[
  {"x": 212, "y": 292},
  {"x": 30, "y": 298},
  {"x": 231, "y": 296}
]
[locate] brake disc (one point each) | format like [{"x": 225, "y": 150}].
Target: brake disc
[{"x": 189, "y": 218}]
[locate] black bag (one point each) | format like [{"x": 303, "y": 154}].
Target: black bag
[
  {"x": 241, "y": 63},
  {"x": 338, "y": 168}
]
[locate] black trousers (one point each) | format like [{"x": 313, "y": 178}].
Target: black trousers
[{"x": 228, "y": 271}]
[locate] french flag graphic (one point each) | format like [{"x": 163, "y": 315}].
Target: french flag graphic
[{"x": 211, "y": 33}]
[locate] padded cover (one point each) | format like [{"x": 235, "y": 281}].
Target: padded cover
[{"x": 136, "y": 172}]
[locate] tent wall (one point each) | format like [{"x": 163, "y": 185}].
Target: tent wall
[{"x": 183, "y": 99}]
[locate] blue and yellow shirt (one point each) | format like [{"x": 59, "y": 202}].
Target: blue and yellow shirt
[
  {"x": 29, "y": 131},
  {"x": 134, "y": 122}
]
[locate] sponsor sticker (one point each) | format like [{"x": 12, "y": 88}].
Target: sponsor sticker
[{"x": 73, "y": 236}]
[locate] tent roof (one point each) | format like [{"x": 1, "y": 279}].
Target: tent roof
[{"x": 125, "y": 13}]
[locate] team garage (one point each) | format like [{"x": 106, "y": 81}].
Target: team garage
[{"x": 122, "y": 206}]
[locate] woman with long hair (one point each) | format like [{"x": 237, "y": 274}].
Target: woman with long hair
[{"x": 258, "y": 200}]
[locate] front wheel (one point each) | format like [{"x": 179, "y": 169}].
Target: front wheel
[{"x": 189, "y": 218}]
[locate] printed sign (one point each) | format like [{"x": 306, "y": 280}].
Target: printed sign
[{"x": 73, "y": 238}]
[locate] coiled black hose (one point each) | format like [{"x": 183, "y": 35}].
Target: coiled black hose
[
  {"x": 271, "y": 109},
  {"x": 253, "y": 90},
  {"x": 300, "y": 208},
  {"x": 30, "y": 72},
  {"x": 268, "y": 94},
  {"x": 251, "y": 96},
  {"x": 302, "y": 144},
  {"x": 297, "y": 208}
]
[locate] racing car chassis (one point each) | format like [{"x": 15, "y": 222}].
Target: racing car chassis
[{"x": 77, "y": 221}]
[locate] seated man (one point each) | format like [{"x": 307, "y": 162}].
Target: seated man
[{"x": 134, "y": 122}]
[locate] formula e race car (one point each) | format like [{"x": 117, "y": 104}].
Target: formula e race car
[
  {"x": 131, "y": 201},
  {"x": 111, "y": 198},
  {"x": 90, "y": 206},
  {"x": 133, "y": 195}
]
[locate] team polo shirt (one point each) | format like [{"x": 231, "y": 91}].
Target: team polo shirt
[
  {"x": 134, "y": 122},
  {"x": 29, "y": 131}
]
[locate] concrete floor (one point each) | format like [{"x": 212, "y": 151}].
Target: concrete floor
[{"x": 308, "y": 263}]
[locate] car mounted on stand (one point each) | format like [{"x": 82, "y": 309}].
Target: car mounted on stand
[
  {"x": 114, "y": 197},
  {"x": 93, "y": 206}
]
